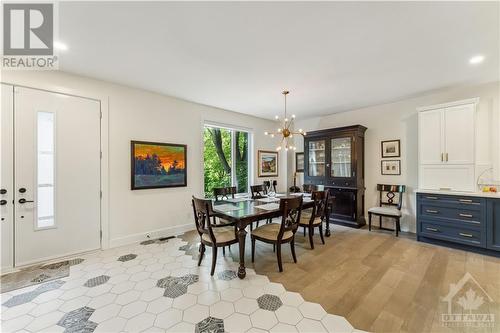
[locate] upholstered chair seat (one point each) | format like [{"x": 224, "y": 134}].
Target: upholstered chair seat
[
  {"x": 222, "y": 235},
  {"x": 270, "y": 232}
]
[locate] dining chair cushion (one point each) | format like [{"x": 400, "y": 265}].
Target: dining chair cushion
[
  {"x": 385, "y": 211},
  {"x": 270, "y": 231},
  {"x": 304, "y": 221},
  {"x": 222, "y": 235}
]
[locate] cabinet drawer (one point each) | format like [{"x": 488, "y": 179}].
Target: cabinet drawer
[
  {"x": 451, "y": 214},
  {"x": 462, "y": 202},
  {"x": 343, "y": 182},
  {"x": 474, "y": 237}
]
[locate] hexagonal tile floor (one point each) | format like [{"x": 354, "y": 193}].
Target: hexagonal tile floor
[{"x": 159, "y": 288}]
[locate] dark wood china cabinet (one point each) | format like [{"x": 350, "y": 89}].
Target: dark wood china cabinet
[{"x": 334, "y": 158}]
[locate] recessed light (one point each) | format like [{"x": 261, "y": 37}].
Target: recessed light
[
  {"x": 60, "y": 46},
  {"x": 477, "y": 59}
]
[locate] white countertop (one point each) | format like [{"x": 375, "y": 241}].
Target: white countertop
[{"x": 491, "y": 195}]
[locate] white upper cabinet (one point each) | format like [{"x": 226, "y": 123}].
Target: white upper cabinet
[
  {"x": 447, "y": 135},
  {"x": 459, "y": 134},
  {"x": 431, "y": 137}
]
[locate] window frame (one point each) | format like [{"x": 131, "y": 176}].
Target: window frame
[{"x": 233, "y": 129}]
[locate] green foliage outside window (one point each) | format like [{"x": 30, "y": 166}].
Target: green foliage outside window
[{"x": 218, "y": 159}]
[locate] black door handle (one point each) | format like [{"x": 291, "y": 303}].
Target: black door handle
[
  {"x": 3, "y": 191},
  {"x": 3, "y": 202},
  {"x": 22, "y": 190},
  {"x": 22, "y": 201}
]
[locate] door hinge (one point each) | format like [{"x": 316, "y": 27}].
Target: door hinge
[
  {"x": 100, "y": 154},
  {"x": 100, "y": 234},
  {"x": 100, "y": 114},
  {"x": 100, "y": 194}
]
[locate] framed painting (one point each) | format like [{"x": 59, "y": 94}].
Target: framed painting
[
  {"x": 158, "y": 165},
  {"x": 391, "y": 167},
  {"x": 267, "y": 163},
  {"x": 391, "y": 148},
  {"x": 299, "y": 162}
]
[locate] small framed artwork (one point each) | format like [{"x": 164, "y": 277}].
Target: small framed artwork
[
  {"x": 268, "y": 163},
  {"x": 391, "y": 167},
  {"x": 391, "y": 148},
  {"x": 299, "y": 162},
  {"x": 158, "y": 165}
]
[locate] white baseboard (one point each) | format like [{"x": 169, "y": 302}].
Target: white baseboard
[{"x": 159, "y": 233}]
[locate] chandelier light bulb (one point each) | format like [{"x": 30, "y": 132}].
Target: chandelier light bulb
[
  {"x": 293, "y": 116},
  {"x": 276, "y": 117},
  {"x": 266, "y": 133},
  {"x": 286, "y": 120},
  {"x": 279, "y": 130},
  {"x": 300, "y": 130},
  {"x": 272, "y": 135}
]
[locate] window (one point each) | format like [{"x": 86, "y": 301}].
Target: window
[
  {"x": 226, "y": 158},
  {"x": 45, "y": 169}
]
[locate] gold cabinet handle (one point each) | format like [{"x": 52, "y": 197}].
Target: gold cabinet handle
[
  {"x": 442, "y": 157},
  {"x": 465, "y": 215},
  {"x": 465, "y": 235},
  {"x": 432, "y": 211},
  {"x": 446, "y": 157},
  {"x": 432, "y": 229}
]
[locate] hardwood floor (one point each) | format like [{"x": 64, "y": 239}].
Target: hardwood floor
[{"x": 380, "y": 283}]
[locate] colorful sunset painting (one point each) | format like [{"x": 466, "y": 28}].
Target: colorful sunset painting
[{"x": 157, "y": 165}]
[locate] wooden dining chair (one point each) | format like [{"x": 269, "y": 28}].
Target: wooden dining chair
[
  {"x": 280, "y": 233},
  {"x": 211, "y": 234},
  {"x": 258, "y": 191},
  {"x": 308, "y": 188},
  {"x": 314, "y": 219},
  {"x": 224, "y": 193},
  {"x": 390, "y": 202}
]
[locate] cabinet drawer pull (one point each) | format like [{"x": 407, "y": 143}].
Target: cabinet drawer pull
[
  {"x": 465, "y": 215},
  {"x": 465, "y": 235},
  {"x": 432, "y": 198},
  {"x": 465, "y": 200},
  {"x": 432, "y": 211},
  {"x": 432, "y": 229}
]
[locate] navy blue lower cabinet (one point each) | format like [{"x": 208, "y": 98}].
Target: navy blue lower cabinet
[
  {"x": 493, "y": 224},
  {"x": 468, "y": 223}
]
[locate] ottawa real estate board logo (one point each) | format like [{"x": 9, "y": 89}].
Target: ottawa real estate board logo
[
  {"x": 28, "y": 36},
  {"x": 468, "y": 305}
]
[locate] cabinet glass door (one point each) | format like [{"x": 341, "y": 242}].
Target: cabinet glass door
[
  {"x": 341, "y": 158},
  {"x": 316, "y": 151}
]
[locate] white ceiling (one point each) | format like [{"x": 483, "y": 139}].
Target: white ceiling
[{"x": 332, "y": 56}]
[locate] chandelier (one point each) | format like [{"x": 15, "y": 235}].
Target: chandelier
[{"x": 286, "y": 130}]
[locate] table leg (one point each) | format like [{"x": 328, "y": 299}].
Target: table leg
[
  {"x": 242, "y": 235},
  {"x": 327, "y": 232}
]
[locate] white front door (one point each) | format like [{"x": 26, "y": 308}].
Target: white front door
[
  {"x": 57, "y": 175},
  {"x": 6, "y": 177}
]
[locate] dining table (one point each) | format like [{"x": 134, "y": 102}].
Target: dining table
[{"x": 244, "y": 211}]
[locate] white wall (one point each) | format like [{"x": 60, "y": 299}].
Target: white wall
[
  {"x": 398, "y": 120},
  {"x": 141, "y": 115}
]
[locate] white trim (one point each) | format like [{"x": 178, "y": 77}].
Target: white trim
[
  {"x": 159, "y": 233},
  {"x": 226, "y": 126},
  {"x": 447, "y": 105}
]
